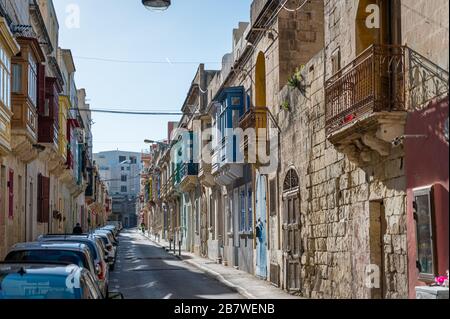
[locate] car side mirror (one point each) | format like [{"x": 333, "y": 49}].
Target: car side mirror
[{"x": 115, "y": 295}]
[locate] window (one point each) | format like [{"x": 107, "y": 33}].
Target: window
[
  {"x": 291, "y": 182},
  {"x": 336, "y": 61},
  {"x": 5, "y": 78},
  {"x": 123, "y": 189},
  {"x": 424, "y": 218},
  {"x": 123, "y": 178},
  {"x": 32, "y": 79},
  {"x": 133, "y": 160},
  {"x": 245, "y": 208},
  {"x": 242, "y": 209},
  {"x": 43, "y": 199},
  {"x": 17, "y": 78},
  {"x": 122, "y": 159},
  {"x": 273, "y": 197},
  {"x": 249, "y": 207}
]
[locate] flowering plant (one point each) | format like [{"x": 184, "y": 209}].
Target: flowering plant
[{"x": 442, "y": 280}]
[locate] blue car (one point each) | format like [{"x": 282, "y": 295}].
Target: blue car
[{"x": 46, "y": 281}]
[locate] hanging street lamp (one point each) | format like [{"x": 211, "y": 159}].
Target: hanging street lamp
[{"x": 156, "y": 4}]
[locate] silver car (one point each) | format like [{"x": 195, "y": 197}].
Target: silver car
[
  {"x": 98, "y": 254},
  {"x": 110, "y": 248}
]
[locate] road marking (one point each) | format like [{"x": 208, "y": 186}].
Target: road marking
[{"x": 168, "y": 296}]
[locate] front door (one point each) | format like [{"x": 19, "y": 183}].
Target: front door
[
  {"x": 292, "y": 242},
  {"x": 261, "y": 227}
]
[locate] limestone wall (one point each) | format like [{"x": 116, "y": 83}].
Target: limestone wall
[
  {"x": 337, "y": 230},
  {"x": 425, "y": 28}
]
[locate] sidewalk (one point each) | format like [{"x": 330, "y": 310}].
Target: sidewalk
[{"x": 231, "y": 277}]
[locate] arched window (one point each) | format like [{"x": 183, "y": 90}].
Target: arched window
[{"x": 291, "y": 181}]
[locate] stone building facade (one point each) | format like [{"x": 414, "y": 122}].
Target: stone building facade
[
  {"x": 335, "y": 83},
  {"x": 42, "y": 180}
]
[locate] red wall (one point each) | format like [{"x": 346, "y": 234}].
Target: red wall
[{"x": 427, "y": 164}]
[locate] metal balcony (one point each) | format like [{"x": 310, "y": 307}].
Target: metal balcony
[
  {"x": 373, "y": 82},
  {"x": 365, "y": 103}
]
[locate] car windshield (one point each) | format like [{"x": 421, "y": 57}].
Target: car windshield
[
  {"x": 90, "y": 244},
  {"x": 66, "y": 256},
  {"x": 34, "y": 286}
]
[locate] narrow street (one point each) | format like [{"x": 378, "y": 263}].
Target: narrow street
[{"x": 146, "y": 271}]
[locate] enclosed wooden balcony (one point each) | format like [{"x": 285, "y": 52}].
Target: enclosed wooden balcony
[
  {"x": 365, "y": 102},
  {"x": 48, "y": 124},
  {"x": 188, "y": 176},
  {"x": 10, "y": 48},
  {"x": 26, "y": 94},
  {"x": 255, "y": 117}
]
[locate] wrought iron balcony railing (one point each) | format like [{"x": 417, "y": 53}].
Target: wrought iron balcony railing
[
  {"x": 373, "y": 82},
  {"x": 255, "y": 117}
]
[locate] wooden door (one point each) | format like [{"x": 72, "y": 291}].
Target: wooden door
[{"x": 292, "y": 242}]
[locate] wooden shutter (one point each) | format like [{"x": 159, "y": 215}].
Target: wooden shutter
[
  {"x": 273, "y": 197},
  {"x": 45, "y": 199},
  {"x": 41, "y": 89},
  {"x": 11, "y": 193},
  {"x": 39, "y": 200}
]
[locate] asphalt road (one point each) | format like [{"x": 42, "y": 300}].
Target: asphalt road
[{"x": 146, "y": 271}]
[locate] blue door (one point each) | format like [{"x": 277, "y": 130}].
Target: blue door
[{"x": 261, "y": 227}]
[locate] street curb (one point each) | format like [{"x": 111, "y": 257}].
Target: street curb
[
  {"x": 211, "y": 273},
  {"x": 220, "y": 278}
]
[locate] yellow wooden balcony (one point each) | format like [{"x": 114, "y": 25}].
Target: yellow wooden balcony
[{"x": 9, "y": 48}]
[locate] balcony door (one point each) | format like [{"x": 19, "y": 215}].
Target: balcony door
[{"x": 377, "y": 22}]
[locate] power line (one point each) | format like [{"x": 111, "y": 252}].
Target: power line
[
  {"x": 167, "y": 61},
  {"x": 153, "y": 113}
]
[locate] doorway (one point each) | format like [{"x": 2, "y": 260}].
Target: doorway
[
  {"x": 291, "y": 230},
  {"x": 261, "y": 226},
  {"x": 377, "y": 230}
]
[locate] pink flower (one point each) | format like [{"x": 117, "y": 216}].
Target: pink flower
[{"x": 441, "y": 279}]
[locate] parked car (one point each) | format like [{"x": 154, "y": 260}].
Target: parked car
[
  {"x": 111, "y": 237},
  {"x": 117, "y": 224},
  {"x": 101, "y": 261},
  {"x": 48, "y": 281},
  {"x": 110, "y": 248},
  {"x": 50, "y": 252},
  {"x": 112, "y": 230}
]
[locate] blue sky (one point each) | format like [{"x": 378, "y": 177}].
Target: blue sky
[{"x": 191, "y": 30}]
